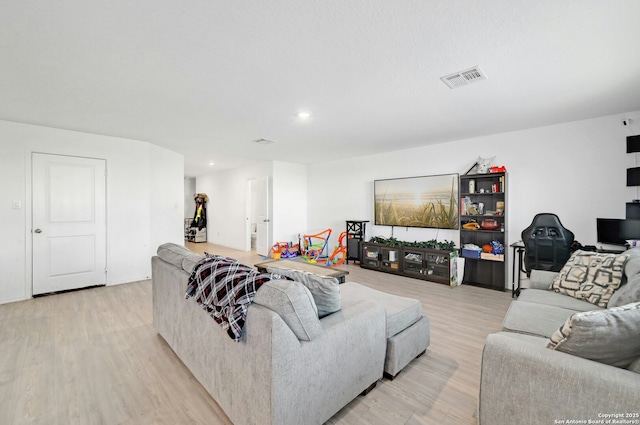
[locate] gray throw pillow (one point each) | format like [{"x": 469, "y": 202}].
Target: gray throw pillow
[
  {"x": 632, "y": 266},
  {"x": 294, "y": 304},
  {"x": 628, "y": 293},
  {"x": 325, "y": 290},
  {"x": 609, "y": 336}
]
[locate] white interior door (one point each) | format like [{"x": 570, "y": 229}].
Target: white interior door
[
  {"x": 262, "y": 212},
  {"x": 68, "y": 222}
]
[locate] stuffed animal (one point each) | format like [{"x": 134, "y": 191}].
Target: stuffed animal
[{"x": 484, "y": 164}]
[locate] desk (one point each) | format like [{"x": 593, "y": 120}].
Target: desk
[
  {"x": 518, "y": 248},
  {"x": 299, "y": 265}
]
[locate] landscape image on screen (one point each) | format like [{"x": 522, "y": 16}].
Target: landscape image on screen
[{"x": 427, "y": 201}]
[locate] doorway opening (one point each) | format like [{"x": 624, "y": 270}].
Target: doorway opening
[{"x": 258, "y": 226}]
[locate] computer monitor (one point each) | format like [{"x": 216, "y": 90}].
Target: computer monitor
[{"x": 609, "y": 231}]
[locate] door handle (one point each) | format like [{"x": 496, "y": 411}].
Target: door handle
[
  {"x": 265, "y": 221},
  {"x": 37, "y": 231}
]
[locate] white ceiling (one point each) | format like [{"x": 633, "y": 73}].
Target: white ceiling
[{"x": 206, "y": 77}]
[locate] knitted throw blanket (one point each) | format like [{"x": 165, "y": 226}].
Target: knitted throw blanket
[{"x": 225, "y": 289}]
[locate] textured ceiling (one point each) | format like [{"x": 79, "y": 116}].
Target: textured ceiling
[{"x": 205, "y": 78}]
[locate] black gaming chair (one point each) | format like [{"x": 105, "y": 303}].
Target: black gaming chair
[{"x": 547, "y": 243}]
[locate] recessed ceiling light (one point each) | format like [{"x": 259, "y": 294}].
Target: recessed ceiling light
[
  {"x": 211, "y": 163},
  {"x": 304, "y": 115}
]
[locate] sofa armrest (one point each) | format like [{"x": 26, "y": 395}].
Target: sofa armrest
[
  {"x": 541, "y": 279},
  {"x": 525, "y": 383},
  {"x": 316, "y": 379}
]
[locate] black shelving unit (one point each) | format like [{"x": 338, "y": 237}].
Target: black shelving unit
[
  {"x": 488, "y": 191},
  {"x": 355, "y": 236}
]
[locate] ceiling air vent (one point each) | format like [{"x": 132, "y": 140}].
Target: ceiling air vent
[{"x": 464, "y": 78}]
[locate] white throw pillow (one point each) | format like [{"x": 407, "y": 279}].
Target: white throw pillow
[{"x": 590, "y": 276}]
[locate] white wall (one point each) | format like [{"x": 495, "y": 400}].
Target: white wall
[
  {"x": 141, "y": 195},
  {"x": 576, "y": 170},
  {"x": 227, "y": 208},
  {"x": 12, "y": 221},
  {"x": 189, "y": 191},
  {"x": 289, "y": 196},
  {"x": 167, "y": 194}
]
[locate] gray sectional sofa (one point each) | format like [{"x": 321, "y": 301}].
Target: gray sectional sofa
[
  {"x": 290, "y": 367},
  {"x": 559, "y": 358}
]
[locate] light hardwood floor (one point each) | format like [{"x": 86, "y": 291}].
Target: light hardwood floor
[{"x": 93, "y": 357}]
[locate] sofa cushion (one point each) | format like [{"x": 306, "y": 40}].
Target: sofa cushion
[
  {"x": 172, "y": 253},
  {"x": 542, "y": 296},
  {"x": 541, "y": 279},
  {"x": 610, "y": 336},
  {"x": 534, "y": 319},
  {"x": 325, "y": 290},
  {"x": 190, "y": 261},
  {"x": 401, "y": 312},
  {"x": 635, "y": 366},
  {"x": 294, "y": 304},
  {"x": 627, "y": 293},
  {"x": 590, "y": 276},
  {"x": 538, "y": 341}
]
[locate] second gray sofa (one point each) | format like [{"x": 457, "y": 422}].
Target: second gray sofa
[{"x": 525, "y": 380}]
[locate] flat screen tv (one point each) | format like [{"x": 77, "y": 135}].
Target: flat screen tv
[{"x": 425, "y": 201}]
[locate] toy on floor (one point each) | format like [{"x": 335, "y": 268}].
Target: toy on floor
[
  {"x": 284, "y": 250},
  {"x": 313, "y": 251},
  {"x": 291, "y": 251},
  {"x": 340, "y": 253},
  {"x": 275, "y": 250}
]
